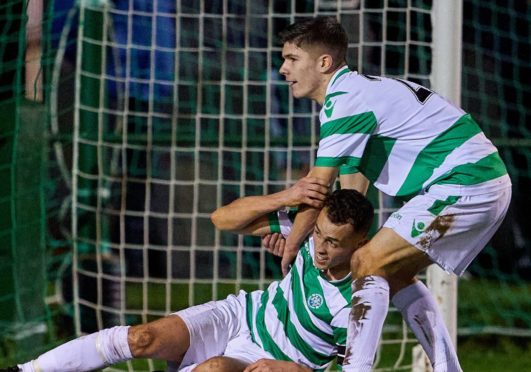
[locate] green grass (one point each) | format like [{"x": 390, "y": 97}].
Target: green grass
[
  {"x": 481, "y": 302},
  {"x": 492, "y": 353}
]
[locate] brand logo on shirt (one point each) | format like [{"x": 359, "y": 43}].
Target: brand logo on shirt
[
  {"x": 417, "y": 229},
  {"x": 329, "y": 108},
  {"x": 396, "y": 215},
  {"x": 315, "y": 301}
]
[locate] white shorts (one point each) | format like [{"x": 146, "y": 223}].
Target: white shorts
[
  {"x": 453, "y": 224},
  {"x": 218, "y": 328}
]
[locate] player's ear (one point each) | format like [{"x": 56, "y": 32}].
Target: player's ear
[{"x": 325, "y": 63}]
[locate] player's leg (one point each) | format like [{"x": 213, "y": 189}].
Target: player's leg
[
  {"x": 85, "y": 353},
  {"x": 421, "y": 313},
  {"x": 379, "y": 266},
  {"x": 221, "y": 364},
  {"x": 166, "y": 338},
  {"x": 211, "y": 326},
  {"x": 448, "y": 230}
]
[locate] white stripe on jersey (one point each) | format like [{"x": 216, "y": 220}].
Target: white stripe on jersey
[
  {"x": 334, "y": 297},
  {"x": 408, "y": 128},
  {"x": 461, "y": 155},
  {"x": 315, "y": 341},
  {"x": 275, "y": 329},
  {"x": 346, "y": 313},
  {"x": 354, "y": 147},
  {"x": 389, "y": 179}
]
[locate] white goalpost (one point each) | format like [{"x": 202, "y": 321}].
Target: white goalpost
[{"x": 180, "y": 108}]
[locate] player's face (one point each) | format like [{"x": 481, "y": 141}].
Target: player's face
[
  {"x": 334, "y": 245},
  {"x": 303, "y": 73}
]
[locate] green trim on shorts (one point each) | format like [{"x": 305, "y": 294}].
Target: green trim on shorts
[{"x": 439, "y": 205}]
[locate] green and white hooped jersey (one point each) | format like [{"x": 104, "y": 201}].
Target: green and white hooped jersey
[
  {"x": 304, "y": 317},
  {"x": 401, "y": 136}
]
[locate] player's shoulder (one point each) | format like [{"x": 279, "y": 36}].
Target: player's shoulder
[
  {"x": 343, "y": 82},
  {"x": 344, "y": 98}
]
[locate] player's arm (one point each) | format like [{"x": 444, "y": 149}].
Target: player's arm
[
  {"x": 249, "y": 215},
  {"x": 306, "y": 217},
  {"x": 356, "y": 181}
]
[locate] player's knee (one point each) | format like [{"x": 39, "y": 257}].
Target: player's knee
[
  {"x": 363, "y": 263},
  {"x": 140, "y": 339}
]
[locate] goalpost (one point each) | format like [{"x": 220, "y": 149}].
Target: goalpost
[{"x": 179, "y": 109}]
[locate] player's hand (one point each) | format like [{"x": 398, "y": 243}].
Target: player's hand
[
  {"x": 271, "y": 365},
  {"x": 308, "y": 190},
  {"x": 274, "y": 243},
  {"x": 290, "y": 252}
]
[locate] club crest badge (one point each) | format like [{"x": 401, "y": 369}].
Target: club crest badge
[{"x": 315, "y": 301}]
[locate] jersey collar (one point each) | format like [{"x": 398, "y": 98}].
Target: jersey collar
[{"x": 342, "y": 71}]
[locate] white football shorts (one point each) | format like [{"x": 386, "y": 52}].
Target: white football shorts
[
  {"x": 452, "y": 224},
  {"x": 218, "y": 328}
]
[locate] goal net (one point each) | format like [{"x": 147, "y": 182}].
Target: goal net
[
  {"x": 156, "y": 113},
  {"x": 180, "y": 109}
]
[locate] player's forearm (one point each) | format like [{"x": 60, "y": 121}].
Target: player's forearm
[
  {"x": 355, "y": 181},
  {"x": 302, "y": 226},
  {"x": 239, "y": 214}
]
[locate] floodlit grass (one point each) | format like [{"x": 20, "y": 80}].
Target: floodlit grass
[
  {"x": 482, "y": 302},
  {"x": 494, "y": 353}
]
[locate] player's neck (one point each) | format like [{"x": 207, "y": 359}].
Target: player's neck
[
  {"x": 337, "y": 273},
  {"x": 320, "y": 98}
]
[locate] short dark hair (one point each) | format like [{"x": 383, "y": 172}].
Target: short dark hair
[
  {"x": 349, "y": 206},
  {"x": 324, "y": 31}
]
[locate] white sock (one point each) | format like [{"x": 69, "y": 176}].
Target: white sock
[
  {"x": 86, "y": 353},
  {"x": 370, "y": 302},
  {"x": 423, "y": 316}
]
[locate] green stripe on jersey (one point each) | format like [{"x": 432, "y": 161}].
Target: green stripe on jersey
[
  {"x": 340, "y": 335},
  {"x": 375, "y": 156},
  {"x": 268, "y": 343},
  {"x": 274, "y": 223},
  {"x": 362, "y": 123},
  {"x": 351, "y": 162},
  {"x": 486, "y": 169},
  {"x": 345, "y": 287},
  {"x": 281, "y": 305},
  {"x": 434, "y": 154},
  {"x": 304, "y": 317},
  {"x": 249, "y": 315},
  {"x": 335, "y": 94},
  {"x": 312, "y": 286},
  {"x": 348, "y": 169}
]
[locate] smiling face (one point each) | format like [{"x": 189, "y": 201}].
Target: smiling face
[
  {"x": 334, "y": 245},
  {"x": 305, "y": 71}
]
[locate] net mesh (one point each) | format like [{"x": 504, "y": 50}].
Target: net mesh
[{"x": 155, "y": 114}]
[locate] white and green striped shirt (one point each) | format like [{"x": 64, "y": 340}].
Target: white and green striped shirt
[
  {"x": 401, "y": 136},
  {"x": 304, "y": 317}
]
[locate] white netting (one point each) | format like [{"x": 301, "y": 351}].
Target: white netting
[{"x": 180, "y": 109}]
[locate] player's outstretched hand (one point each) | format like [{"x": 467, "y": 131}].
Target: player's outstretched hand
[
  {"x": 274, "y": 243},
  {"x": 287, "y": 258},
  {"x": 271, "y": 365},
  {"x": 308, "y": 190}
]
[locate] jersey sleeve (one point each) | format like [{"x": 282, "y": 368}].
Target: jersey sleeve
[
  {"x": 282, "y": 221},
  {"x": 346, "y": 126}
]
